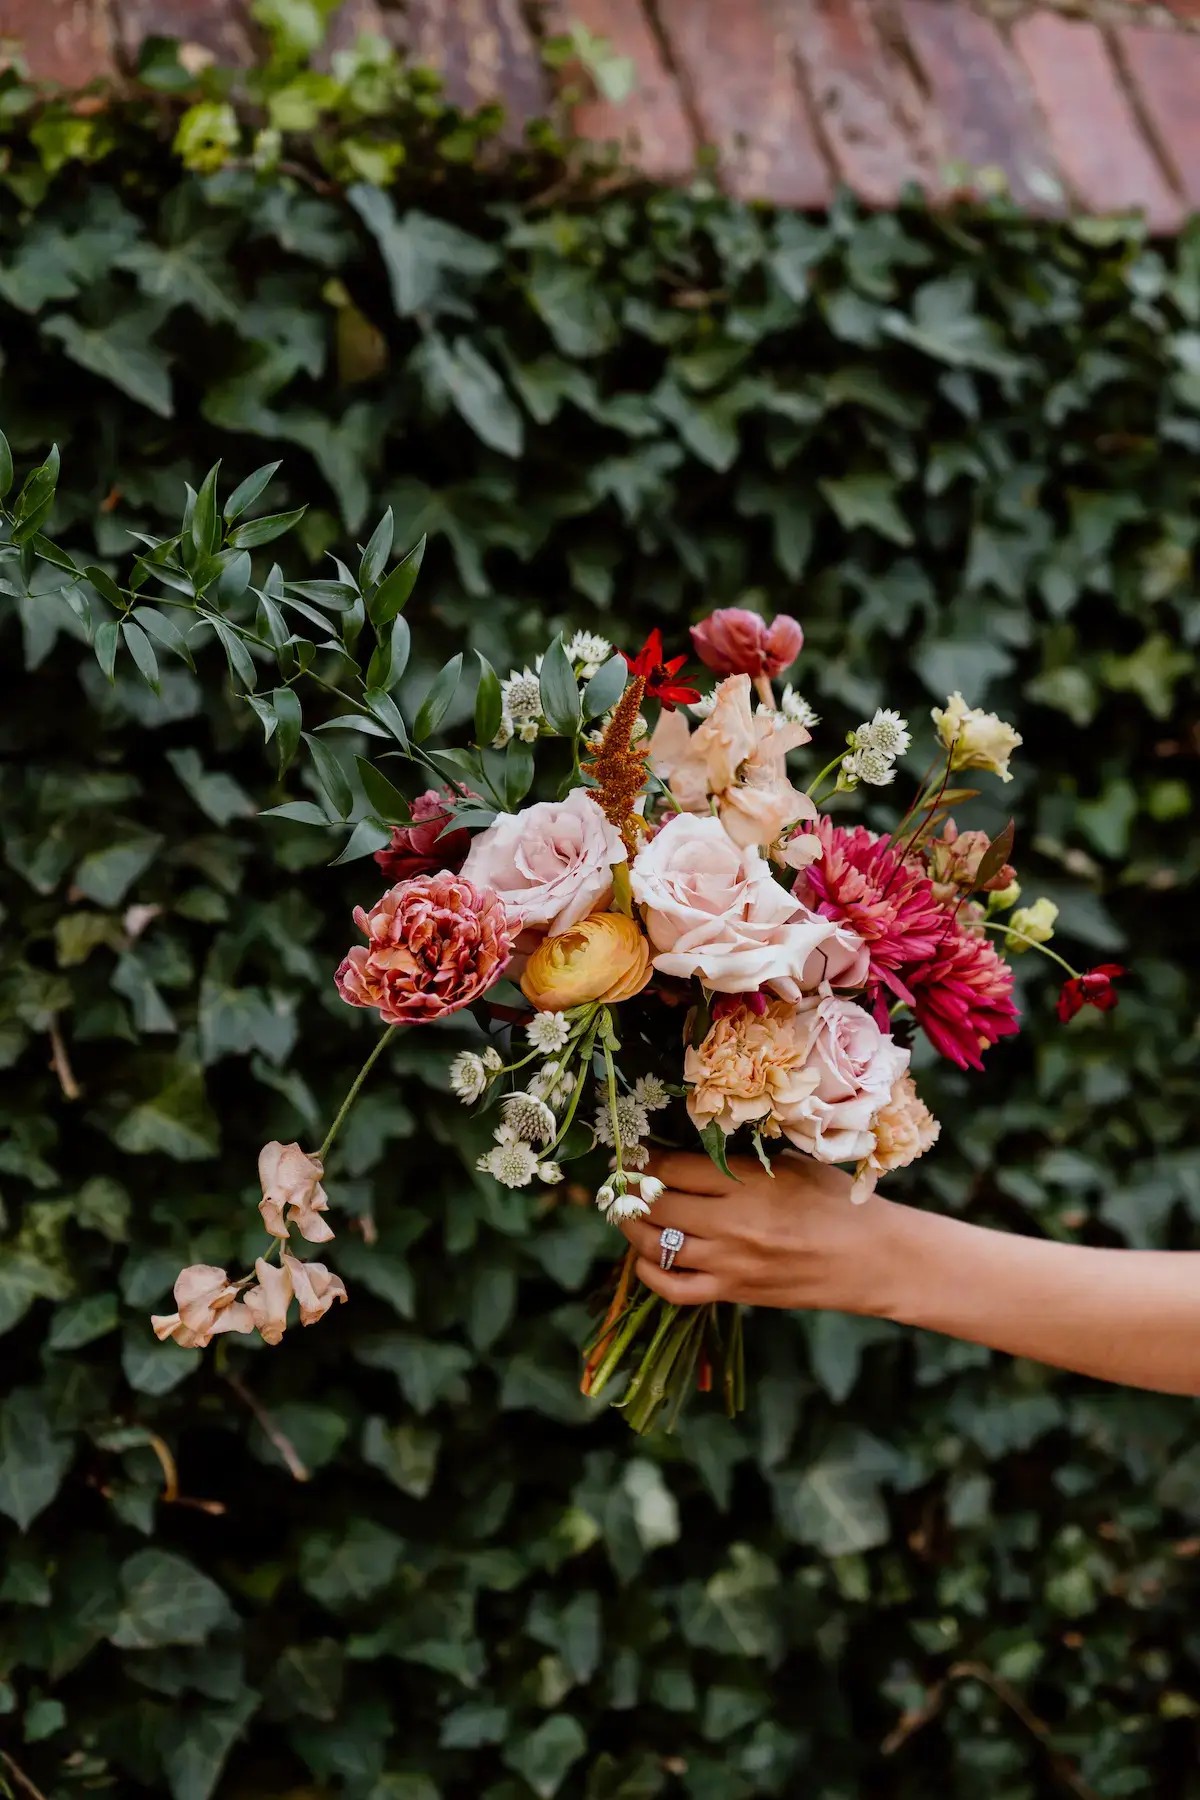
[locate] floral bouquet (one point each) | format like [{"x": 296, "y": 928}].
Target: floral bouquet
[{"x": 683, "y": 945}]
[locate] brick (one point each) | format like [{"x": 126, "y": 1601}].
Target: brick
[
  {"x": 866, "y": 102},
  {"x": 484, "y": 52},
  {"x": 1164, "y": 67},
  {"x": 220, "y": 27},
  {"x": 1092, "y": 127},
  {"x": 651, "y": 127},
  {"x": 69, "y": 43},
  {"x": 735, "y": 62},
  {"x": 980, "y": 94}
]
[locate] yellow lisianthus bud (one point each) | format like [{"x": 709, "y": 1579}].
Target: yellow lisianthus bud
[
  {"x": 1000, "y": 899},
  {"x": 975, "y": 739},
  {"x": 1034, "y": 923},
  {"x": 605, "y": 957}
]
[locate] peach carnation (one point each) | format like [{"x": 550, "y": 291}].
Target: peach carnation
[
  {"x": 751, "y": 1065},
  {"x": 434, "y": 944},
  {"x": 904, "y": 1129}
]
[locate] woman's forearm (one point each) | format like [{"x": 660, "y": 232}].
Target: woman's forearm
[{"x": 1129, "y": 1316}]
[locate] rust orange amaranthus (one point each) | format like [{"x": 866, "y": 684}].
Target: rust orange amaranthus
[{"x": 618, "y": 768}]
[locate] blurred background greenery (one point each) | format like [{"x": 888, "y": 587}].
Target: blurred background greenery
[{"x": 962, "y": 449}]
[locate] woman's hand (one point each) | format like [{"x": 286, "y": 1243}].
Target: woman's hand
[{"x": 791, "y": 1239}]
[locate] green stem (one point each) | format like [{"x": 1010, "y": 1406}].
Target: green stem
[
  {"x": 610, "y": 1075},
  {"x": 585, "y": 1059},
  {"x": 1031, "y": 944},
  {"x": 352, "y": 1096},
  {"x": 621, "y": 1343},
  {"x": 827, "y": 770}
]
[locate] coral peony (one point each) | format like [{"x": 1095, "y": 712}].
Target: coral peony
[
  {"x": 425, "y": 846},
  {"x": 604, "y": 957},
  {"x": 862, "y": 882},
  {"x": 733, "y": 641},
  {"x": 434, "y": 944},
  {"x": 551, "y": 864},
  {"x": 962, "y": 996}
]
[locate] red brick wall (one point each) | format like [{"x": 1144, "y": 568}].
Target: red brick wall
[{"x": 1094, "y": 103}]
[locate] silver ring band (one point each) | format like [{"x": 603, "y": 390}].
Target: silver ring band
[{"x": 670, "y": 1242}]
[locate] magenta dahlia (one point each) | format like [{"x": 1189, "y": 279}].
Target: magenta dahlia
[
  {"x": 863, "y": 882},
  {"x": 963, "y": 997}
]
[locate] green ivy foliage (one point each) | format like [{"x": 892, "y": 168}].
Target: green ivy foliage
[{"x": 399, "y": 1558}]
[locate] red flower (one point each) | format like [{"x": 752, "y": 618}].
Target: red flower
[
  {"x": 425, "y": 846},
  {"x": 1093, "y": 988},
  {"x": 659, "y": 676}
]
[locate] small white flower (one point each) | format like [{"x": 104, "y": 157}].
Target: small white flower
[
  {"x": 651, "y": 1093},
  {"x": 641, "y": 728},
  {"x": 635, "y": 1156},
  {"x": 651, "y": 1188},
  {"x": 605, "y": 1196},
  {"x": 887, "y": 734},
  {"x": 590, "y": 649},
  {"x": 513, "y": 1165},
  {"x": 632, "y": 1122},
  {"x": 594, "y": 739},
  {"x": 504, "y": 734},
  {"x": 701, "y": 708},
  {"x": 550, "y": 1172},
  {"x": 548, "y": 1032},
  {"x": 521, "y": 697},
  {"x": 796, "y": 710},
  {"x": 468, "y": 1076},
  {"x": 627, "y": 1206},
  {"x": 869, "y": 766},
  {"x": 528, "y": 730},
  {"x": 492, "y": 1060},
  {"x": 531, "y": 1120}
]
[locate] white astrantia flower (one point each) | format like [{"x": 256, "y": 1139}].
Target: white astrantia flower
[
  {"x": 867, "y": 765},
  {"x": 633, "y": 1122},
  {"x": 701, "y": 708},
  {"x": 468, "y": 1076},
  {"x": 550, "y": 1172},
  {"x": 521, "y": 697},
  {"x": 590, "y": 649},
  {"x": 652, "y": 1189},
  {"x": 887, "y": 734},
  {"x": 513, "y": 1165},
  {"x": 531, "y": 1120},
  {"x": 605, "y": 1196},
  {"x": 528, "y": 730},
  {"x": 548, "y": 1032},
  {"x": 796, "y": 710},
  {"x": 627, "y": 1206},
  {"x": 635, "y": 1156},
  {"x": 504, "y": 734},
  {"x": 641, "y": 728},
  {"x": 492, "y": 1060},
  {"x": 651, "y": 1093}
]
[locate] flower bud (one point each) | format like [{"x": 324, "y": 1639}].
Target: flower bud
[{"x": 734, "y": 641}]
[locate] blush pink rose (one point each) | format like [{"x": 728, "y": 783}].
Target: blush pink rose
[
  {"x": 434, "y": 944},
  {"x": 712, "y": 909},
  {"x": 425, "y": 846},
  {"x": 856, "y": 1065},
  {"x": 841, "y": 960},
  {"x": 551, "y": 864},
  {"x": 733, "y": 641}
]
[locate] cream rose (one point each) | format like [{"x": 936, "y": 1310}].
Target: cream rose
[
  {"x": 856, "y": 1066},
  {"x": 551, "y": 865},
  {"x": 714, "y": 910},
  {"x": 974, "y": 738}
]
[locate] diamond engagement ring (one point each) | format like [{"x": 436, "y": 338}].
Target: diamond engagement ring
[{"x": 670, "y": 1243}]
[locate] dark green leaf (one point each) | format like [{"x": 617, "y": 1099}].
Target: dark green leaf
[
  {"x": 433, "y": 707},
  {"x": 206, "y": 523},
  {"x": 560, "y": 691},
  {"x": 394, "y": 591},
  {"x": 379, "y": 548},
  {"x": 266, "y": 529},
  {"x": 248, "y": 491},
  {"x": 332, "y": 776},
  {"x": 390, "y": 657},
  {"x": 605, "y": 688},
  {"x": 489, "y": 704}
]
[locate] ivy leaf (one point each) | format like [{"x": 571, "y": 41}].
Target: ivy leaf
[
  {"x": 560, "y": 691},
  {"x": 426, "y": 258},
  {"x": 433, "y": 708},
  {"x": 33, "y": 1460},
  {"x": 196, "y": 1743},
  {"x": 868, "y": 500},
  {"x": 177, "y": 1121},
  {"x": 462, "y": 374},
  {"x": 167, "y": 1600},
  {"x": 834, "y": 1503},
  {"x": 394, "y": 590},
  {"x": 122, "y": 352},
  {"x": 544, "y": 1756}
]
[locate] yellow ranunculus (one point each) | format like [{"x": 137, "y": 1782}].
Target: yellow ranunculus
[
  {"x": 975, "y": 739},
  {"x": 605, "y": 957}
]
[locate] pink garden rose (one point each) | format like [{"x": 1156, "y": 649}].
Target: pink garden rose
[
  {"x": 434, "y": 944},
  {"x": 425, "y": 846},
  {"x": 857, "y": 1066},
  {"x": 733, "y": 641},
  {"x": 841, "y": 960},
  {"x": 713, "y": 909},
  {"x": 551, "y": 864}
]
